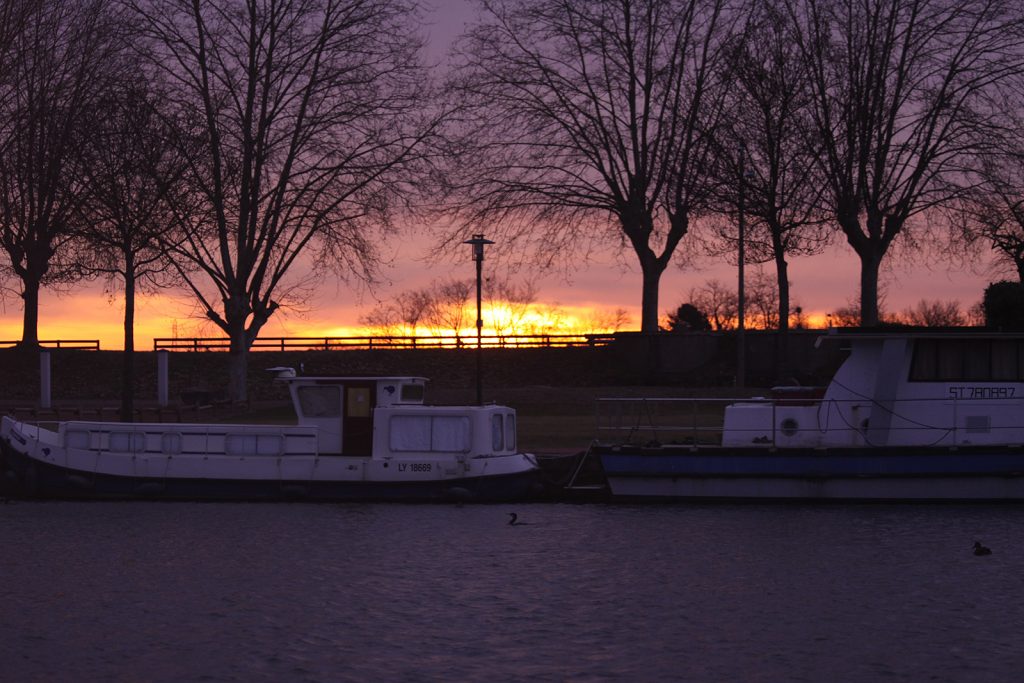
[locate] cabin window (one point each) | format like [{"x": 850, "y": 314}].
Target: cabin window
[
  {"x": 320, "y": 401},
  {"x": 1004, "y": 361},
  {"x": 978, "y": 361},
  {"x": 412, "y": 393},
  {"x": 358, "y": 402},
  {"x": 497, "y": 433},
  {"x": 127, "y": 442},
  {"x": 510, "y": 432},
  {"x": 170, "y": 443},
  {"x": 950, "y": 362},
  {"x": 240, "y": 444},
  {"x": 253, "y": 444},
  {"x": 425, "y": 433},
  {"x": 967, "y": 360},
  {"x": 78, "y": 438}
]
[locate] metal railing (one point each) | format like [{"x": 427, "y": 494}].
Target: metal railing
[
  {"x": 508, "y": 341},
  {"x": 86, "y": 344}
]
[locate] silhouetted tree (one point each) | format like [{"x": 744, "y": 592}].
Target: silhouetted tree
[
  {"x": 764, "y": 146},
  {"x": 720, "y": 303},
  {"x": 1004, "y": 306},
  {"x": 901, "y": 89},
  {"x": 992, "y": 210},
  {"x": 313, "y": 116},
  {"x": 450, "y": 309},
  {"x": 934, "y": 313},
  {"x": 59, "y": 64},
  {"x": 586, "y": 123},
  {"x": 130, "y": 169}
]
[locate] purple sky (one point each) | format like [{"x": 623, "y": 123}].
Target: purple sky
[{"x": 819, "y": 284}]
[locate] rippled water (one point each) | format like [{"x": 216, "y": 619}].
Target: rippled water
[{"x": 179, "y": 591}]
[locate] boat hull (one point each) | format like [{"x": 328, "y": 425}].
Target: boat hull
[
  {"x": 24, "y": 476},
  {"x": 668, "y": 473}
]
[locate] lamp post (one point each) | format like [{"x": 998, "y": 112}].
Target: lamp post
[
  {"x": 741, "y": 347},
  {"x": 478, "y": 243}
]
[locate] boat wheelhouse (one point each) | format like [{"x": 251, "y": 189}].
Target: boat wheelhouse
[
  {"x": 909, "y": 415},
  {"x": 355, "y": 438}
]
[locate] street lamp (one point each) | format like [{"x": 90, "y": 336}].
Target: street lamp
[
  {"x": 478, "y": 243},
  {"x": 741, "y": 347}
]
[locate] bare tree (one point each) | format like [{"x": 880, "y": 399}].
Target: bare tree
[
  {"x": 928, "y": 313},
  {"x": 413, "y": 307},
  {"x": 718, "y": 301},
  {"x": 313, "y": 115},
  {"x": 130, "y": 169},
  {"x": 589, "y": 123},
  {"x": 767, "y": 154},
  {"x": 450, "y": 309},
  {"x": 509, "y": 303},
  {"x": 992, "y": 210},
  {"x": 57, "y": 67},
  {"x": 762, "y": 295},
  {"x": 901, "y": 89}
]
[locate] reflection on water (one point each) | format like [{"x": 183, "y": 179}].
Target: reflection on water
[{"x": 193, "y": 591}]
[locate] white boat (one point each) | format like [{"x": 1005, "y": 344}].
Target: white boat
[
  {"x": 356, "y": 438},
  {"x": 908, "y": 416}
]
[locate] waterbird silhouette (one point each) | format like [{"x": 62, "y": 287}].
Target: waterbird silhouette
[
  {"x": 979, "y": 549},
  {"x": 514, "y": 521}
]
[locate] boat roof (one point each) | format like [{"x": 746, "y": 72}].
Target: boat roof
[
  {"x": 842, "y": 334},
  {"x": 357, "y": 378}
]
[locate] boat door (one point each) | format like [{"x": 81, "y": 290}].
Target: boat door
[{"x": 357, "y": 421}]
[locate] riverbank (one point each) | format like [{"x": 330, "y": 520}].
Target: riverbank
[{"x": 553, "y": 390}]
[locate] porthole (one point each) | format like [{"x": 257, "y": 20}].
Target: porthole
[{"x": 789, "y": 427}]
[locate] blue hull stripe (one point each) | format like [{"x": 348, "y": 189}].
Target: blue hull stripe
[{"x": 853, "y": 462}]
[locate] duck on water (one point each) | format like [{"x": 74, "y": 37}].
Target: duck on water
[{"x": 356, "y": 438}]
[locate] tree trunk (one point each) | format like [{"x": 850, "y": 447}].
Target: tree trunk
[
  {"x": 30, "y": 320},
  {"x": 238, "y": 366},
  {"x": 782, "y": 346},
  {"x": 128, "y": 356},
  {"x": 652, "y": 271},
  {"x": 869, "y": 265}
]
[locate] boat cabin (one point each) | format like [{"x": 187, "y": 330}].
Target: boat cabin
[
  {"x": 915, "y": 388},
  {"x": 387, "y": 417}
]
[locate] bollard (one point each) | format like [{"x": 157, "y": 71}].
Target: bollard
[
  {"x": 161, "y": 378},
  {"x": 44, "y": 379}
]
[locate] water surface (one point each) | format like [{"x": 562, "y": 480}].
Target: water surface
[{"x": 225, "y": 592}]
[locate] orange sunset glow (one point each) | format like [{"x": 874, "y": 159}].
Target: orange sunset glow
[{"x": 600, "y": 298}]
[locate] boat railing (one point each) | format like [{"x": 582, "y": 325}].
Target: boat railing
[{"x": 700, "y": 422}]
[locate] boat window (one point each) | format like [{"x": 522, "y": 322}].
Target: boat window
[
  {"x": 127, "y": 442},
  {"x": 977, "y": 361},
  {"x": 412, "y": 393},
  {"x": 240, "y": 444},
  {"x": 170, "y": 443},
  {"x": 510, "y": 432},
  {"x": 358, "y": 402},
  {"x": 497, "y": 433},
  {"x": 423, "y": 433},
  {"x": 320, "y": 401},
  {"x": 924, "y": 365},
  {"x": 1004, "y": 361},
  {"x": 951, "y": 362},
  {"x": 450, "y": 434},
  {"x": 78, "y": 438},
  {"x": 967, "y": 360}
]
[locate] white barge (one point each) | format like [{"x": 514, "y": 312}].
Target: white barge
[
  {"x": 908, "y": 416},
  {"x": 356, "y": 438}
]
